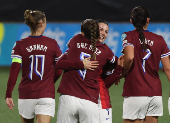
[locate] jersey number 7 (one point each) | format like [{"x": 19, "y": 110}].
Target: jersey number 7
[{"x": 145, "y": 58}]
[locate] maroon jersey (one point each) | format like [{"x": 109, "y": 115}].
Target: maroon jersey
[
  {"x": 38, "y": 55},
  {"x": 143, "y": 78},
  {"x": 83, "y": 83}
]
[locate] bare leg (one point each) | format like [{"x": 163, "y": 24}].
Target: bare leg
[
  {"x": 151, "y": 119},
  {"x": 132, "y": 121},
  {"x": 27, "y": 120},
  {"x": 43, "y": 119}
]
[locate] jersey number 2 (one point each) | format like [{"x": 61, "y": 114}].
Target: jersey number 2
[
  {"x": 34, "y": 63},
  {"x": 145, "y": 58}
]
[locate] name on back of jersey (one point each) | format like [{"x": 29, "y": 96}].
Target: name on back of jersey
[
  {"x": 87, "y": 46},
  {"x": 36, "y": 47},
  {"x": 149, "y": 42}
]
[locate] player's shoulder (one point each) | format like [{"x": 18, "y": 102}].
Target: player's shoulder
[
  {"x": 76, "y": 39},
  {"x": 22, "y": 41},
  {"x": 49, "y": 39},
  {"x": 157, "y": 36},
  {"x": 128, "y": 34},
  {"x": 107, "y": 48}
]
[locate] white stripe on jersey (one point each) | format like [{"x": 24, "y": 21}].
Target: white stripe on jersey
[
  {"x": 164, "y": 55},
  {"x": 56, "y": 59},
  {"x": 125, "y": 41},
  {"x": 110, "y": 72},
  {"x": 66, "y": 52},
  {"x": 113, "y": 59},
  {"x": 128, "y": 44},
  {"x": 16, "y": 56}
]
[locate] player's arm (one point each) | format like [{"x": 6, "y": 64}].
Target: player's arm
[
  {"x": 58, "y": 55},
  {"x": 65, "y": 64},
  {"x": 14, "y": 71},
  {"x": 128, "y": 51},
  {"x": 166, "y": 66},
  {"x": 165, "y": 54},
  {"x": 58, "y": 73},
  {"x": 115, "y": 76},
  {"x": 112, "y": 78},
  {"x": 128, "y": 58}
]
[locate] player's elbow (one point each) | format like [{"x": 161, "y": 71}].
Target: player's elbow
[
  {"x": 166, "y": 69},
  {"x": 167, "y": 72},
  {"x": 130, "y": 57}
]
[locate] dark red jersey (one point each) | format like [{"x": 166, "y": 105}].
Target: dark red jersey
[
  {"x": 83, "y": 83},
  {"x": 143, "y": 78},
  {"x": 38, "y": 55}
]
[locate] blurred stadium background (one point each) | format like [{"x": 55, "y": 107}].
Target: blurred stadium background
[{"x": 63, "y": 22}]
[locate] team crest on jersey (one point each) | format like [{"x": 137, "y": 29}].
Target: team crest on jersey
[{"x": 123, "y": 36}]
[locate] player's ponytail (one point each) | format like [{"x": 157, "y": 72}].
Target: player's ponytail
[
  {"x": 139, "y": 17},
  {"x": 94, "y": 36},
  {"x": 90, "y": 28}
]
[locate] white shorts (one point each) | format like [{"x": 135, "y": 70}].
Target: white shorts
[
  {"x": 72, "y": 110},
  {"x": 169, "y": 105},
  {"x": 139, "y": 107},
  {"x": 105, "y": 115},
  {"x": 28, "y": 108}
]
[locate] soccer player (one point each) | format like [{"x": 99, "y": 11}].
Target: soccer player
[
  {"x": 143, "y": 51},
  {"x": 104, "y": 100},
  {"x": 79, "y": 88},
  {"x": 38, "y": 55}
]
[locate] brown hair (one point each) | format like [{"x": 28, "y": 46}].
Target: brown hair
[
  {"x": 32, "y": 19},
  {"x": 90, "y": 28}
]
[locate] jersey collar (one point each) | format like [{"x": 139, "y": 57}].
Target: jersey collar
[
  {"x": 35, "y": 36},
  {"x": 145, "y": 30}
]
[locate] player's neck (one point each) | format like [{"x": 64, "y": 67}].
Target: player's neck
[
  {"x": 145, "y": 28},
  {"x": 38, "y": 33}
]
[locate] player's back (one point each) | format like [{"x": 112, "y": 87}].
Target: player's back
[
  {"x": 84, "y": 81},
  {"x": 143, "y": 78},
  {"x": 38, "y": 54}
]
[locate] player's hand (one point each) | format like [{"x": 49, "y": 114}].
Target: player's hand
[
  {"x": 91, "y": 65},
  {"x": 117, "y": 82},
  {"x": 120, "y": 60},
  {"x": 9, "y": 102}
]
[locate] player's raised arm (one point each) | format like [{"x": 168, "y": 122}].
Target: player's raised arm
[{"x": 65, "y": 64}]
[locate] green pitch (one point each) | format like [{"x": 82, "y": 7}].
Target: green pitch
[{"x": 12, "y": 116}]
